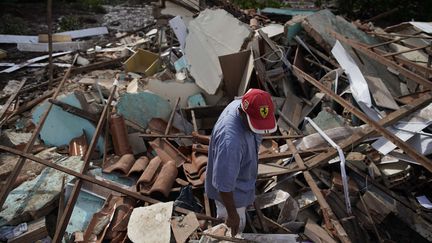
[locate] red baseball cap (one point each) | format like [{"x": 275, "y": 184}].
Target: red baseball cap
[{"x": 259, "y": 109}]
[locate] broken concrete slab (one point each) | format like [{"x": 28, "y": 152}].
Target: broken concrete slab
[
  {"x": 12, "y": 139},
  {"x": 184, "y": 226},
  {"x": 326, "y": 120},
  {"x": 35, "y": 198},
  {"x": 142, "y": 107},
  {"x": 206, "y": 42},
  {"x": 64, "y": 123},
  {"x": 171, "y": 90},
  {"x": 151, "y": 224}
]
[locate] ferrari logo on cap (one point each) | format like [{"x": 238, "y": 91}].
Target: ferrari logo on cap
[{"x": 264, "y": 110}]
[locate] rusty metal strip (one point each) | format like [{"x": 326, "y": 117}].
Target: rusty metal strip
[
  {"x": 74, "y": 110},
  {"x": 331, "y": 222},
  {"x": 375, "y": 125},
  {"x": 7, "y": 187},
  {"x": 93, "y": 180},
  {"x": 383, "y": 60},
  {"x": 11, "y": 99},
  {"x": 77, "y": 188}
]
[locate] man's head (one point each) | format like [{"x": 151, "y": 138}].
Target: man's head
[{"x": 258, "y": 107}]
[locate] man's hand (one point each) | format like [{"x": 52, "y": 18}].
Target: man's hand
[{"x": 233, "y": 221}]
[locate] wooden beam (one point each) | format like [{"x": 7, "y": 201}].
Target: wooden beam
[
  {"x": 385, "y": 61},
  {"x": 417, "y": 68},
  {"x": 373, "y": 124},
  {"x": 78, "y": 184},
  {"x": 93, "y": 180},
  {"x": 171, "y": 118},
  {"x": 261, "y": 218},
  {"x": 153, "y": 136},
  {"x": 276, "y": 224},
  {"x": 405, "y": 51},
  {"x": 400, "y": 35},
  {"x": 274, "y": 156},
  {"x": 331, "y": 221},
  {"x": 7, "y": 187},
  {"x": 359, "y": 136},
  {"x": 386, "y": 43},
  {"x": 5, "y": 107}
]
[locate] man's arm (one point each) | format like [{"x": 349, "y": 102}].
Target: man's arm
[{"x": 233, "y": 219}]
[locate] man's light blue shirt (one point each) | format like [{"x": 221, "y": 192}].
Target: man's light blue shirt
[{"x": 232, "y": 158}]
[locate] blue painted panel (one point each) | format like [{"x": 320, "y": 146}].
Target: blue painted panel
[
  {"x": 61, "y": 127},
  {"x": 86, "y": 205},
  {"x": 196, "y": 100},
  {"x": 181, "y": 64},
  {"x": 289, "y": 12},
  {"x": 142, "y": 107}
]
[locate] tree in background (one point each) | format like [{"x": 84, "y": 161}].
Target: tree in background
[{"x": 419, "y": 10}]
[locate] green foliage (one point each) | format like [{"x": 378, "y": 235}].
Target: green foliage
[
  {"x": 419, "y": 10},
  {"x": 70, "y": 22},
  {"x": 258, "y": 4},
  {"x": 89, "y": 5},
  {"x": 12, "y": 25}
]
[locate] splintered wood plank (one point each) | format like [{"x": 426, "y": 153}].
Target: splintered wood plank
[
  {"x": 36, "y": 231},
  {"x": 316, "y": 233}
]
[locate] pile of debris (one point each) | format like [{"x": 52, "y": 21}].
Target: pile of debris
[{"x": 114, "y": 146}]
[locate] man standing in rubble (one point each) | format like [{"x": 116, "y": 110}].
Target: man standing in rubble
[{"x": 233, "y": 155}]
